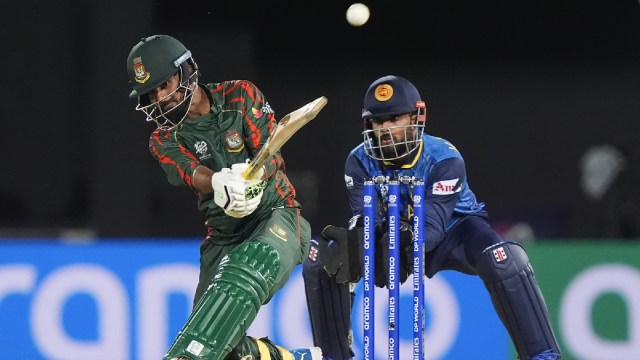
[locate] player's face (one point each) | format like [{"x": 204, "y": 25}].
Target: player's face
[
  {"x": 393, "y": 132},
  {"x": 166, "y": 95}
]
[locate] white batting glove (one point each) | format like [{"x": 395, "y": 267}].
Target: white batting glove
[{"x": 237, "y": 196}]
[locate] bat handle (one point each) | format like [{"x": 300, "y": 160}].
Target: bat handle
[{"x": 249, "y": 172}]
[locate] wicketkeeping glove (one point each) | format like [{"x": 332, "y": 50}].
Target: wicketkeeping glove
[
  {"x": 341, "y": 252},
  {"x": 405, "y": 239},
  {"x": 236, "y": 195}
]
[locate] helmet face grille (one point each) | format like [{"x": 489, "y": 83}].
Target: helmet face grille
[
  {"x": 152, "y": 62},
  {"x": 387, "y": 96},
  {"x": 168, "y": 118},
  {"x": 382, "y": 145}
]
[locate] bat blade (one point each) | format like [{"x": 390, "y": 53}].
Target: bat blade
[{"x": 286, "y": 127}]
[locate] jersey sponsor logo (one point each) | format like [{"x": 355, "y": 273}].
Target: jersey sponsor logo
[
  {"x": 265, "y": 109},
  {"x": 234, "y": 142},
  {"x": 256, "y": 112},
  {"x": 348, "y": 180},
  {"x": 141, "y": 73},
  {"x": 202, "y": 150},
  {"x": 279, "y": 232},
  {"x": 499, "y": 254},
  {"x": 446, "y": 187},
  {"x": 451, "y": 146}
]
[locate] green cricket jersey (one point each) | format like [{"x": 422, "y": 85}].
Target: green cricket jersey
[{"x": 239, "y": 123}]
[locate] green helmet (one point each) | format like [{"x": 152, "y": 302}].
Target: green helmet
[{"x": 153, "y": 61}]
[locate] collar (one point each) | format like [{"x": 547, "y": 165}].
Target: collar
[{"x": 407, "y": 164}]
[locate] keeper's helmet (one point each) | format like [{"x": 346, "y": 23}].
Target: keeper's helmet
[
  {"x": 387, "y": 96},
  {"x": 152, "y": 62}
]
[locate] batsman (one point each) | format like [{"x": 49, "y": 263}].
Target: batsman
[
  {"x": 457, "y": 232},
  {"x": 256, "y": 235}
]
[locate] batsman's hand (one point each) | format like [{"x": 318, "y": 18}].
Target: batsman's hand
[{"x": 236, "y": 195}]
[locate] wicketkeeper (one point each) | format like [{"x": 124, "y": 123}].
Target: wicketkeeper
[{"x": 458, "y": 236}]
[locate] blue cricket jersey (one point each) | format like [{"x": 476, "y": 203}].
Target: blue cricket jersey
[{"x": 439, "y": 164}]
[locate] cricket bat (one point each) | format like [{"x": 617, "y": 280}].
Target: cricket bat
[{"x": 286, "y": 127}]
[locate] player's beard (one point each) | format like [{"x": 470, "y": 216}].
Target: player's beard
[
  {"x": 397, "y": 149},
  {"x": 175, "y": 114}
]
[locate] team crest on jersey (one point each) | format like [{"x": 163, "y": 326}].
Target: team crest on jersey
[
  {"x": 279, "y": 232},
  {"x": 499, "y": 254},
  {"x": 202, "y": 150},
  {"x": 234, "y": 141},
  {"x": 141, "y": 73},
  {"x": 446, "y": 187}
]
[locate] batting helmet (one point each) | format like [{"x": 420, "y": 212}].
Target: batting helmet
[
  {"x": 153, "y": 61},
  {"x": 390, "y": 95},
  {"x": 387, "y": 96}
]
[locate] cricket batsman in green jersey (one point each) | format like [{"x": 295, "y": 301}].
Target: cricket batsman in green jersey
[{"x": 256, "y": 235}]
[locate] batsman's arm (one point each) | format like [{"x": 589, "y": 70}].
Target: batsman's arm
[
  {"x": 178, "y": 163},
  {"x": 202, "y": 179}
]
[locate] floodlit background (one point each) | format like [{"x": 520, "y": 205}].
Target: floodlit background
[
  {"x": 540, "y": 96},
  {"x": 522, "y": 88}
]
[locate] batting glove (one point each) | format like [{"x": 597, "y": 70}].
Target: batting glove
[{"x": 236, "y": 195}]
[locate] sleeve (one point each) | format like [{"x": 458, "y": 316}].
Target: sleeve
[
  {"x": 442, "y": 193},
  {"x": 354, "y": 175},
  {"x": 176, "y": 160},
  {"x": 259, "y": 124}
]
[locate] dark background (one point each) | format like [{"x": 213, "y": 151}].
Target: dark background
[{"x": 522, "y": 88}]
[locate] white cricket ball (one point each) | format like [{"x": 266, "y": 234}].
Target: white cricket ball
[{"x": 357, "y": 14}]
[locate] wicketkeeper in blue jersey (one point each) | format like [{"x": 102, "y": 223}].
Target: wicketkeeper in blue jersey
[{"x": 458, "y": 235}]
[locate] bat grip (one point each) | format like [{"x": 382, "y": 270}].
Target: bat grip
[
  {"x": 255, "y": 164},
  {"x": 249, "y": 172}
]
